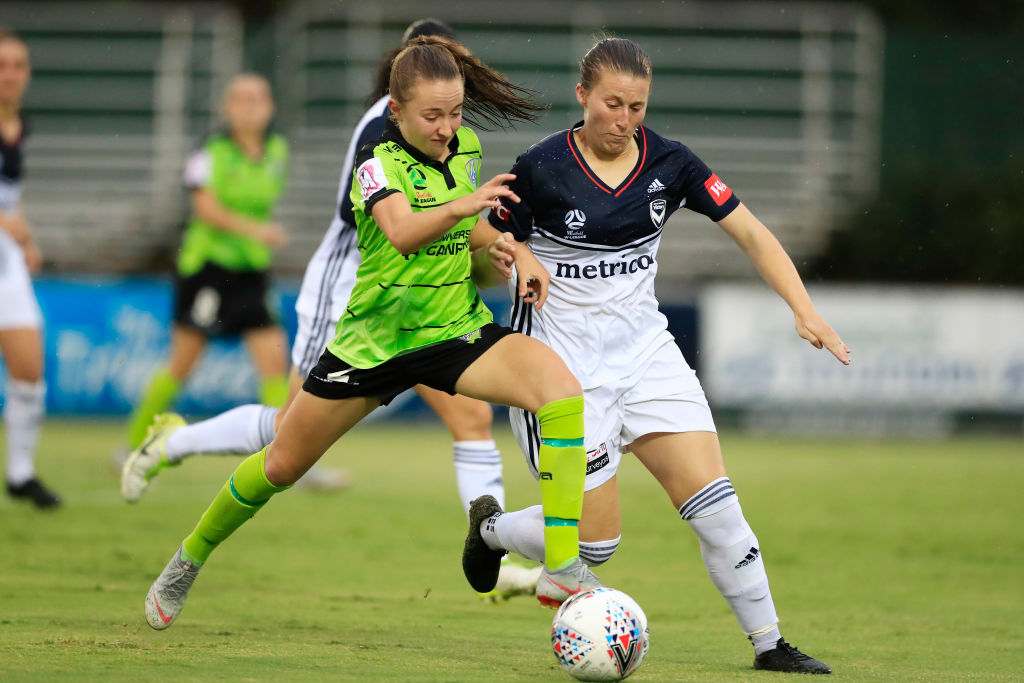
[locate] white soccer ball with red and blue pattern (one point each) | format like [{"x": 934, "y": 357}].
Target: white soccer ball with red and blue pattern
[{"x": 600, "y": 635}]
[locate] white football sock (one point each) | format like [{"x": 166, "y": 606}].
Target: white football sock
[
  {"x": 23, "y": 412},
  {"x": 520, "y": 532},
  {"x": 239, "y": 431},
  {"x": 733, "y": 559},
  {"x": 595, "y": 553},
  {"x": 478, "y": 471}
]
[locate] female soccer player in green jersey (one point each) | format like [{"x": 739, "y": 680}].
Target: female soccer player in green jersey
[
  {"x": 223, "y": 281},
  {"x": 415, "y": 317}
]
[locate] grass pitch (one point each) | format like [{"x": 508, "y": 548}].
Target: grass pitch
[{"x": 888, "y": 560}]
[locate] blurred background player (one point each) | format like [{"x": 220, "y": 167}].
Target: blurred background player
[
  {"x": 223, "y": 279},
  {"x": 639, "y": 393},
  {"x": 20, "y": 319},
  {"x": 325, "y": 291}
]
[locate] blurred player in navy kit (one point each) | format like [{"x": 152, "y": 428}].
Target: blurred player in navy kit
[{"x": 20, "y": 319}]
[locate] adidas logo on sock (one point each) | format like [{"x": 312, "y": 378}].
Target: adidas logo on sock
[
  {"x": 751, "y": 556},
  {"x": 655, "y": 186},
  {"x": 491, "y": 521}
]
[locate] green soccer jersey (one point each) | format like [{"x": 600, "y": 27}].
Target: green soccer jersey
[
  {"x": 402, "y": 303},
  {"x": 247, "y": 186}
]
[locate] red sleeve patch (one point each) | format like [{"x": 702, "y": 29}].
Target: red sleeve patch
[{"x": 718, "y": 190}]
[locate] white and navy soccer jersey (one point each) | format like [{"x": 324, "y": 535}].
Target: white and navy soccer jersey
[
  {"x": 19, "y": 308},
  {"x": 600, "y": 245}
]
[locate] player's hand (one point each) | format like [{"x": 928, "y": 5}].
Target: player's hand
[
  {"x": 534, "y": 278},
  {"x": 487, "y": 196},
  {"x": 274, "y": 235},
  {"x": 814, "y": 329},
  {"x": 33, "y": 257},
  {"x": 502, "y": 254}
]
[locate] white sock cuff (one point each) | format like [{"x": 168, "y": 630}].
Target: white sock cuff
[
  {"x": 595, "y": 553},
  {"x": 715, "y": 496},
  {"x": 265, "y": 426},
  {"x": 480, "y": 453},
  {"x": 25, "y": 391}
]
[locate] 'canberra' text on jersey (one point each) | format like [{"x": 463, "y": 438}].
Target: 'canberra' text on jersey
[
  {"x": 402, "y": 303},
  {"x": 600, "y": 245}
]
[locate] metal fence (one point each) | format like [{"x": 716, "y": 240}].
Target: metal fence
[{"x": 782, "y": 100}]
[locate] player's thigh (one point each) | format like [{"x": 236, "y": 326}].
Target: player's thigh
[
  {"x": 187, "y": 344},
  {"x": 682, "y": 462},
  {"x": 602, "y": 518},
  {"x": 468, "y": 419},
  {"x": 22, "y": 351},
  {"x": 294, "y": 387},
  {"x": 310, "y": 426},
  {"x": 518, "y": 371},
  {"x": 267, "y": 346}
]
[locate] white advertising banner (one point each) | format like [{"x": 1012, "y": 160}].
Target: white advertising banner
[{"x": 919, "y": 348}]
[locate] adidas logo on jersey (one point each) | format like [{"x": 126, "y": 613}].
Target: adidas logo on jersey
[
  {"x": 751, "y": 556},
  {"x": 655, "y": 186}
]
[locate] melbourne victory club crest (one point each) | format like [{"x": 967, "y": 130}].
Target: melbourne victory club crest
[
  {"x": 473, "y": 169},
  {"x": 658, "y": 212}
]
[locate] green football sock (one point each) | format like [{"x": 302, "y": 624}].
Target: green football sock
[
  {"x": 274, "y": 391},
  {"x": 160, "y": 393},
  {"x": 563, "y": 467},
  {"x": 243, "y": 495}
]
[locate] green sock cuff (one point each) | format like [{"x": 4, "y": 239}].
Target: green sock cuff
[
  {"x": 562, "y": 419},
  {"x": 274, "y": 391},
  {"x": 158, "y": 395},
  {"x": 561, "y": 546},
  {"x": 188, "y": 557},
  {"x": 249, "y": 484}
]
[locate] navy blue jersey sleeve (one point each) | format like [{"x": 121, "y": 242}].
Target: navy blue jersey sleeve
[
  {"x": 510, "y": 216},
  {"x": 370, "y": 132},
  {"x": 700, "y": 190}
]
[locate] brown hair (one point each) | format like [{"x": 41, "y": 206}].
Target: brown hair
[
  {"x": 614, "y": 54},
  {"x": 420, "y": 27},
  {"x": 490, "y": 99},
  {"x": 7, "y": 35}
]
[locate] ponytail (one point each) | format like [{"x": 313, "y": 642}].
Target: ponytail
[{"x": 491, "y": 100}]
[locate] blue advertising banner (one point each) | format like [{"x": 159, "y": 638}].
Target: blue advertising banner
[{"x": 105, "y": 336}]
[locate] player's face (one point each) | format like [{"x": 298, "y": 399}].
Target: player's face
[
  {"x": 429, "y": 118},
  {"x": 14, "y": 71},
  {"x": 613, "y": 109},
  {"x": 248, "y": 105}
]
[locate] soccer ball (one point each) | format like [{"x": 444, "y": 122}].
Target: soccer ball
[{"x": 600, "y": 635}]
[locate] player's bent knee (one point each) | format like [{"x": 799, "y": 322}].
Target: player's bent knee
[
  {"x": 595, "y": 553},
  {"x": 278, "y": 467}
]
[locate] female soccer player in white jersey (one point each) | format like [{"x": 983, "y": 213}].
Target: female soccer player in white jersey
[
  {"x": 414, "y": 316},
  {"x": 324, "y": 294},
  {"x": 594, "y": 201},
  {"x": 20, "y": 320}
]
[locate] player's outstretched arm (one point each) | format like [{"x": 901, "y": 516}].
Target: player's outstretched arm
[
  {"x": 777, "y": 269},
  {"x": 408, "y": 231},
  {"x": 206, "y": 206}
]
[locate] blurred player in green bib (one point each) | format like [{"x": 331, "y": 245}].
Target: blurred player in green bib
[
  {"x": 223, "y": 284},
  {"x": 415, "y": 317}
]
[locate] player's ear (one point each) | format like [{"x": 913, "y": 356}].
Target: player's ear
[
  {"x": 395, "y": 108},
  {"x": 581, "y": 95}
]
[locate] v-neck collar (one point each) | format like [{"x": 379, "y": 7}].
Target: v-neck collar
[
  {"x": 395, "y": 134},
  {"x": 639, "y": 137}
]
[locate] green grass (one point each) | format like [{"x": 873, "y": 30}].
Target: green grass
[{"x": 889, "y": 560}]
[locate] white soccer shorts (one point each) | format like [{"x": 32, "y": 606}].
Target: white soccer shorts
[
  {"x": 326, "y": 288},
  {"x": 19, "y": 307},
  {"x": 662, "y": 395}
]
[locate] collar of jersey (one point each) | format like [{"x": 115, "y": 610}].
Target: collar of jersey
[
  {"x": 639, "y": 136},
  {"x": 391, "y": 132}
]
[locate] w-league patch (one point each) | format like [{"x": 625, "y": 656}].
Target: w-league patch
[{"x": 371, "y": 178}]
